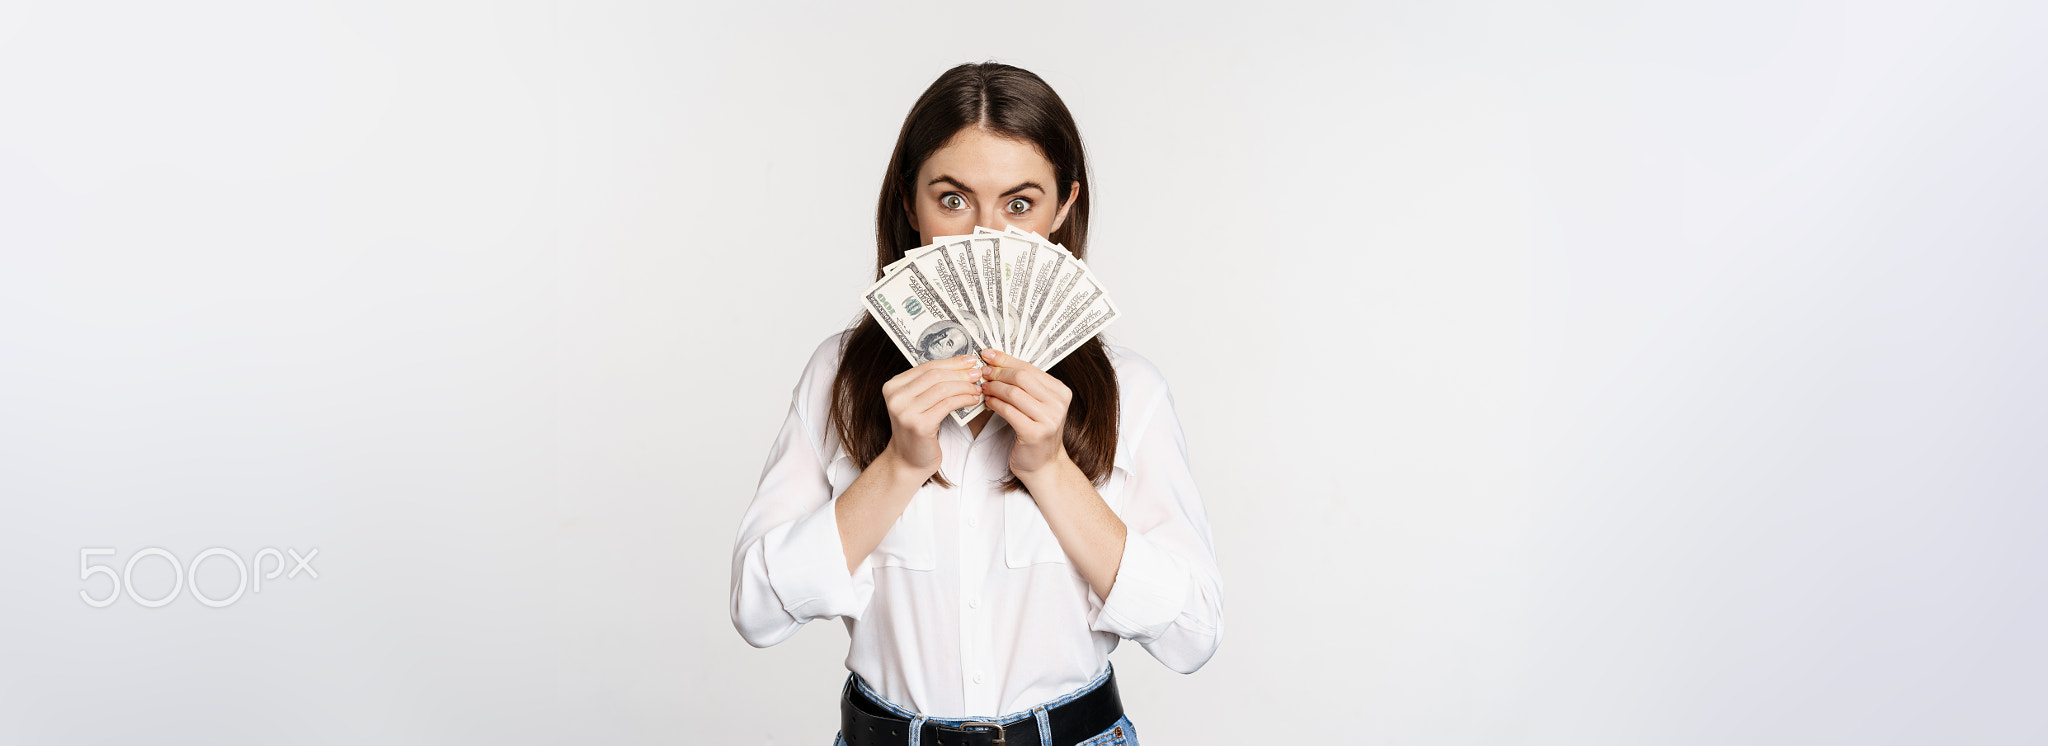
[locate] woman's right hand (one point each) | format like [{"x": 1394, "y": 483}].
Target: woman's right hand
[{"x": 919, "y": 399}]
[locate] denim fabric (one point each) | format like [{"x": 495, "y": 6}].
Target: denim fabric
[{"x": 1121, "y": 733}]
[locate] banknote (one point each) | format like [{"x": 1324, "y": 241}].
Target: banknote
[
  {"x": 1083, "y": 295},
  {"x": 1051, "y": 274},
  {"x": 914, "y": 311},
  {"x": 967, "y": 259},
  {"x": 1017, "y": 287},
  {"x": 988, "y": 250},
  {"x": 1087, "y": 321},
  {"x": 1012, "y": 290},
  {"x": 937, "y": 263}
]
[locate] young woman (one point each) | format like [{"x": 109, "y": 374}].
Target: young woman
[{"x": 984, "y": 572}]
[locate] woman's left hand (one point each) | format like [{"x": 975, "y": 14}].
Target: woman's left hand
[{"x": 1035, "y": 405}]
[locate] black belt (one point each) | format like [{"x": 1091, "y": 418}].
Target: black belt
[{"x": 865, "y": 722}]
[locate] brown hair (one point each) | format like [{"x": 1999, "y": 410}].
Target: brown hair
[{"x": 1013, "y": 103}]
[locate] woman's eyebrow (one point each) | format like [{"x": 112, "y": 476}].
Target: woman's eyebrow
[
  {"x": 953, "y": 181},
  {"x": 970, "y": 190}
]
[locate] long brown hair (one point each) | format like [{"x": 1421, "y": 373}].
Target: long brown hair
[{"x": 1013, "y": 103}]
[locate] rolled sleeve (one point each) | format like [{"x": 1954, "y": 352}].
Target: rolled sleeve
[
  {"x": 789, "y": 566},
  {"x": 1168, "y": 594},
  {"x": 806, "y": 564},
  {"x": 1149, "y": 593}
]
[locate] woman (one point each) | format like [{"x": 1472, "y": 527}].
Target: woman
[{"x": 984, "y": 572}]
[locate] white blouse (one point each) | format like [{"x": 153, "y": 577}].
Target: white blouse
[{"x": 1005, "y": 621}]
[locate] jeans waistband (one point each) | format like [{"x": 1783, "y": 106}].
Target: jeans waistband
[
  {"x": 861, "y": 685},
  {"x": 867, "y": 719}
]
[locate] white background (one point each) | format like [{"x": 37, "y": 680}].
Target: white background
[{"x": 1588, "y": 373}]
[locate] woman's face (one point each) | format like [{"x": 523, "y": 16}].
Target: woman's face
[{"x": 978, "y": 178}]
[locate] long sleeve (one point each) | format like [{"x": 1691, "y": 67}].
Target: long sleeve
[
  {"x": 1168, "y": 593},
  {"x": 788, "y": 565}
]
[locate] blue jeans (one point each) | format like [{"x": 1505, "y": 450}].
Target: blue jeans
[{"x": 1121, "y": 733}]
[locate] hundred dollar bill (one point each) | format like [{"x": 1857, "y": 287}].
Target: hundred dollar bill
[
  {"x": 1076, "y": 299},
  {"x": 1085, "y": 310},
  {"x": 1043, "y": 302},
  {"x": 1087, "y": 322},
  {"x": 913, "y": 310},
  {"x": 988, "y": 251},
  {"x": 1027, "y": 336},
  {"x": 938, "y": 265},
  {"x": 983, "y": 264},
  {"x": 1059, "y": 298},
  {"x": 1020, "y": 266},
  {"x": 1052, "y": 275},
  {"x": 966, "y": 261},
  {"x": 966, "y": 256},
  {"x": 1003, "y": 253},
  {"x": 998, "y": 253}
]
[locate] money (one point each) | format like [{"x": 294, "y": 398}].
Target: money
[{"x": 1011, "y": 290}]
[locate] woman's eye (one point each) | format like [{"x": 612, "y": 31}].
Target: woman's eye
[
  {"x": 1019, "y": 205},
  {"x": 953, "y": 202}
]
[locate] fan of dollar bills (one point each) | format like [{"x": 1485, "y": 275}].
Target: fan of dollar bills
[{"x": 1014, "y": 291}]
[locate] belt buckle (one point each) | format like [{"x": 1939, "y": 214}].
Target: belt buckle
[{"x": 997, "y": 726}]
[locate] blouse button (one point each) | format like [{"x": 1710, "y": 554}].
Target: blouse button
[
  {"x": 977, "y": 677},
  {"x": 974, "y": 603},
  {"x": 972, "y": 522}
]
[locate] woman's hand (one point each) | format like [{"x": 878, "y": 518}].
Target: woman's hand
[
  {"x": 919, "y": 399},
  {"x": 1035, "y": 405}
]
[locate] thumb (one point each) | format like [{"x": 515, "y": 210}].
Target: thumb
[{"x": 1000, "y": 358}]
